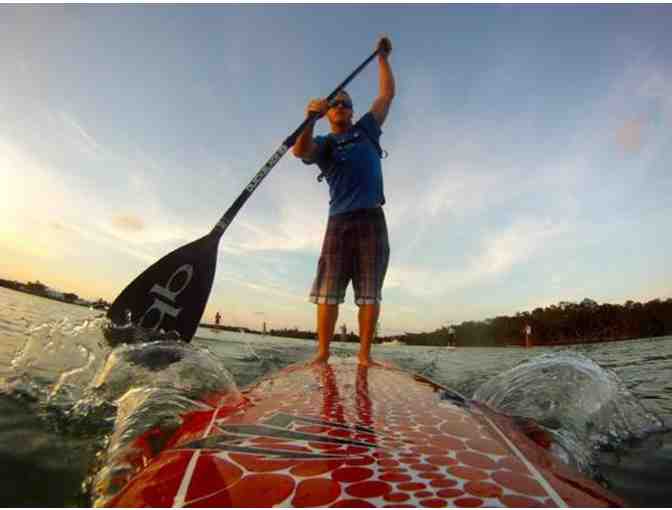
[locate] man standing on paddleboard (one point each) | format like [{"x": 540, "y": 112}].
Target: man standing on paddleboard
[{"x": 355, "y": 245}]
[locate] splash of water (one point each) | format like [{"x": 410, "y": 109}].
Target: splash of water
[
  {"x": 84, "y": 379},
  {"x": 152, "y": 385},
  {"x": 192, "y": 371},
  {"x": 56, "y": 361},
  {"x": 582, "y": 405}
]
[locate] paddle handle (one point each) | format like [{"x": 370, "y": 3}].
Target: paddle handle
[{"x": 289, "y": 142}]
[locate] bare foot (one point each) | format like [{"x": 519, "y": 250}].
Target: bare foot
[
  {"x": 364, "y": 361},
  {"x": 320, "y": 359}
]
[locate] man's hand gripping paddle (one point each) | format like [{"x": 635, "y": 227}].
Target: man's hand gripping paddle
[{"x": 172, "y": 293}]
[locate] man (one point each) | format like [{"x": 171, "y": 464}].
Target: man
[{"x": 355, "y": 244}]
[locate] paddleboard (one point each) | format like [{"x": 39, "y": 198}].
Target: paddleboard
[{"x": 346, "y": 436}]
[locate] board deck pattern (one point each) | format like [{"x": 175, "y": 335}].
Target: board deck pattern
[{"x": 345, "y": 436}]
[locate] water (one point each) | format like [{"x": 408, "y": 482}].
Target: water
[{"x": 66, "y": 395}]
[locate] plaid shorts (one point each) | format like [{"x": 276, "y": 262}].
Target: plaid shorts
[{"x": 356, "y": 248}]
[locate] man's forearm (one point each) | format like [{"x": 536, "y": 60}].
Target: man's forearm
[
  {"x": 385, "y": 78},
  {"x": 304, "y": 143}
]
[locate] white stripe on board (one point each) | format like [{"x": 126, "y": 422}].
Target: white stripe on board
[
  {"x": 178, "y": 502},
  {"x": 537, "y": 475}
]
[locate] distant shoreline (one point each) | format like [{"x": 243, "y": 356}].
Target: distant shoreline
[
  {"x": 400, "y": 338},
  {"x": 95, "y": 305},
  {"x": 559, "y": 325}
]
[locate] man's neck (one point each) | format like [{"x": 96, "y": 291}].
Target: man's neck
[{"x": 339, "y": 129}]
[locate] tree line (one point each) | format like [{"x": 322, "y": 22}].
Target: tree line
[{"x": 561, "y": 324}]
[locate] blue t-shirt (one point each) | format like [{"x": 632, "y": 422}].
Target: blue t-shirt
[{"x": 351, "y": 165}]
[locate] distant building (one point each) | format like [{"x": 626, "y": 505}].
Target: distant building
[{"x": 528, "y": 339}]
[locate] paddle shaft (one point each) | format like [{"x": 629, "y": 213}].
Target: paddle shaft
[{"x": 231, "y": 212}]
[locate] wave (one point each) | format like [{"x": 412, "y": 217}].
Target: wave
[{"x": 583, "y": 406}]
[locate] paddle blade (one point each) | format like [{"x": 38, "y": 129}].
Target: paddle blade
[{"x": 172, "y": 293}]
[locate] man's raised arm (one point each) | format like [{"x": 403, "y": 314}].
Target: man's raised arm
[{"x": 386, "y": 88}]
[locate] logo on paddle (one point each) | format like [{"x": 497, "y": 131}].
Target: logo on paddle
[{"x": 165, "y": 297}]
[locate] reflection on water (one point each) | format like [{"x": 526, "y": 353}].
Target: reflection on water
[{"x": 61, "y": 386}]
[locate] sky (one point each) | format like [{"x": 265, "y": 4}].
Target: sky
[{"x": 529, "y": 151}]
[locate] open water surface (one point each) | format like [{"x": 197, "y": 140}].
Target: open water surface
[{"x": 64, "y": 393}]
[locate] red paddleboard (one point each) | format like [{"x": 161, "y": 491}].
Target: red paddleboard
[{"x": 346, "y": 436}]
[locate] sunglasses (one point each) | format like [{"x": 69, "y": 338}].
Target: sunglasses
[{"x": 340, "y": 102}]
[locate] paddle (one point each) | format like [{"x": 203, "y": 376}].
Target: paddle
[{"x": 172, "y": 293}]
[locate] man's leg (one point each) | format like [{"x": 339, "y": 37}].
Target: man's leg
[
  {"x": 368, "y": 318},
  {"x": 326, "y": 323}
]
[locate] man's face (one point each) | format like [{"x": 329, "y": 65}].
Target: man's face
[{"x": 340, "y": 109}]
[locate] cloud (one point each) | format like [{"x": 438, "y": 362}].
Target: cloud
[
  {"x": 75, "y": 135},
  {"x": 43, "y": 208},
  {"x": 497, "y": 254},
  {"x": 657, "y": 85},
  {"x": 629, "y": 136},
  {"x": 28, "y": 184},
  {"x": 296, "y": 229},
  {"x": 58, "y": 226},
  {"x": 286, "y": 215},
  {"x": 128, "y": 222}
]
